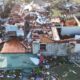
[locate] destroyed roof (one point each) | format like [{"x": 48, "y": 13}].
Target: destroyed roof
[
  {"x": 11, "y": 28},
  {"x": 45, "y": 39}
]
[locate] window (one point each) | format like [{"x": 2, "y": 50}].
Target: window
[{"x": 43, "y": 47}]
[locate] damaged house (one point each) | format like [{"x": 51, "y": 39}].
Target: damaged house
[
  {"x": 43, "y": 34},
  {"x": 53, "y": 44}
]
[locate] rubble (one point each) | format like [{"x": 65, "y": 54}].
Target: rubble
[
  {"x": 30, "y": 28},
  {"x": 36, "y": 29}
]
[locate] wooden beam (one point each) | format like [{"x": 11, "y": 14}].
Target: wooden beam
[{"x": 55, "y": 34}]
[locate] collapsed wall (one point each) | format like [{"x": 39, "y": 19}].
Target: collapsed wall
[{"x": 75, "y": 56}]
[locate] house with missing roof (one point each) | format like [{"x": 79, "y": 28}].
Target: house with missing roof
[
  {"x": 64, "y": 40},
  {"x": 48, "y": 47}
]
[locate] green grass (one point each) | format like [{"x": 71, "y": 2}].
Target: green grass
[
  {"x": 68, "y": 69},
  {"x": 56, "y": 12}
]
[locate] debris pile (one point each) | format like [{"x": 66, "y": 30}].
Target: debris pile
[{"x": 37, "y": 31}]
